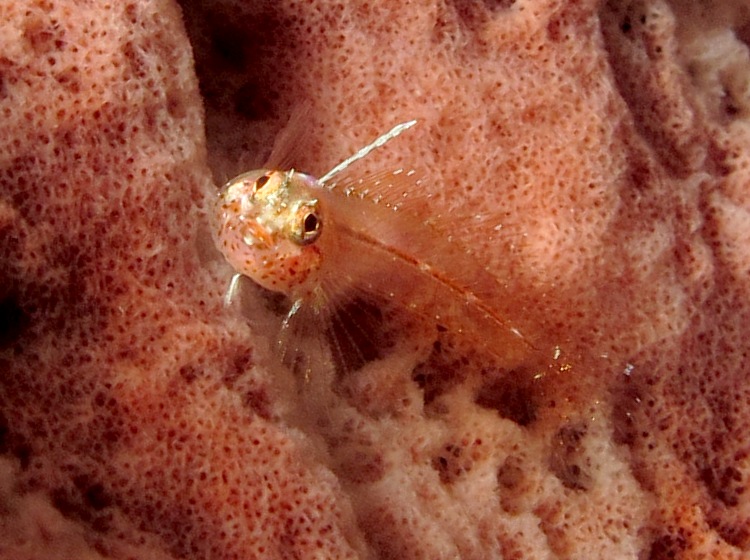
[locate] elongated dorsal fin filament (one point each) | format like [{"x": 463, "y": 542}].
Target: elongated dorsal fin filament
[{"x": 377, "y": 143}]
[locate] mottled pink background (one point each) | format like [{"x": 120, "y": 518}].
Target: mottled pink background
[{"x": 141, "y": 419}]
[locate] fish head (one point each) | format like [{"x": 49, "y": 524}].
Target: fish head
[{"x": 269, "y": 227}]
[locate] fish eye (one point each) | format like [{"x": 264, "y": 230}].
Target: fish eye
[
  {"x": 311, "y": 223},
  {"x": 308, "y": 225},
  {"x": 261, "y": 181}
]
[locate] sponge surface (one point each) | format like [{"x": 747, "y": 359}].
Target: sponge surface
[{"x": 594, "y": 156}]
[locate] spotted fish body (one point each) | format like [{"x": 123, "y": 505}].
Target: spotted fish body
[{"x": 326, "y": 245}]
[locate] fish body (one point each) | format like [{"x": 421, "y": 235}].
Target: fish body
[{"x": 328, "y": 246}]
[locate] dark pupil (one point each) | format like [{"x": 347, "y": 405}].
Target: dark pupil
[
  {"x": 311, "y": 223},
  {"x": 261, "y": 182}
]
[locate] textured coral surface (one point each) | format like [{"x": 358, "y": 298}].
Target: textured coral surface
[{"x": 605, "y": 149}]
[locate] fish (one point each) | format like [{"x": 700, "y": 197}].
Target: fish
[{"x": 348, "y": 254}]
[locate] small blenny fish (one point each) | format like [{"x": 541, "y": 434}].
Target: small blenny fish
[{"x": 327, "y": 244}]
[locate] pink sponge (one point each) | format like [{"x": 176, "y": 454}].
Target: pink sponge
[{"x": 595, "y": 158}]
